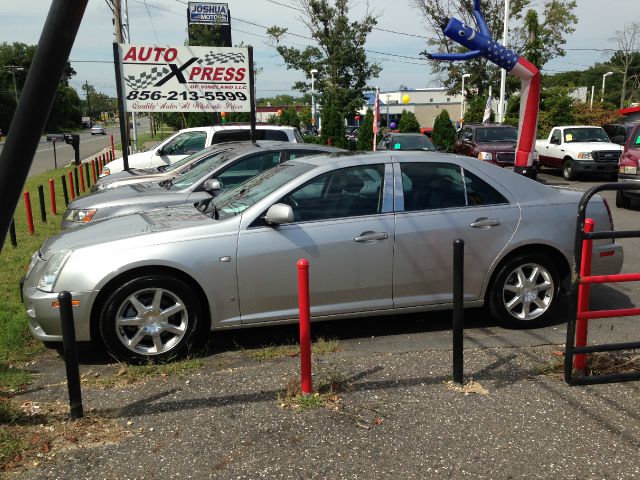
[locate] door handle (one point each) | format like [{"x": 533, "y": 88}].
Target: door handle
[
  {"x": 485, "y": 222},
  {"x": 371, "y": 236}
]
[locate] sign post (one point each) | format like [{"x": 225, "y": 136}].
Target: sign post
[{"x": 55, "y": 137}]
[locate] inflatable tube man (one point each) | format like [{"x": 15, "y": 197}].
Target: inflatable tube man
[{"x": 481, "y": 44}]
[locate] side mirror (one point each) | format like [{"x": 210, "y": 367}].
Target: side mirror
[
  {"x": 212, "y": 185},
  {"x": 160, "y": 152},
  {"x": 279, "y": 213}
]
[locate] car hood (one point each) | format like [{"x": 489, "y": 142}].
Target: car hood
[
  {"x": 591, "y": 146},
  {"x": 140, "y": 177},
  {"x": 138, "y": 193},
  {"x": 125, "y": 227}
]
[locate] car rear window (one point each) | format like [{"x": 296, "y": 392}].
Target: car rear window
[{"x": 245, "y": 134}]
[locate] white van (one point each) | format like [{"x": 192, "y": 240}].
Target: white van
[{"x": 192, "y": 140}]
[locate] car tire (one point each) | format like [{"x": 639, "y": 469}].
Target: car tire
[
  {"x": 525, "y": 291},
  {"x": 622, "y": 201},
  {"x": 567, "y": 170},
  {"x": 152, "y": 318}
]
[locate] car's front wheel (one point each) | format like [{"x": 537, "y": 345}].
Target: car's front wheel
[
  {"x": 525, "y": 291},
  {"x": 152, "y": 318},
  {"x": 567, "y": 170}
]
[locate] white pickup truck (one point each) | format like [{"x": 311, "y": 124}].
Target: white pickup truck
[{"x": 579, "y": 149}]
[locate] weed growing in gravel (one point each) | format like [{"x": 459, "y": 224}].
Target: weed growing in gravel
[
  {"x": 329, "y": 383},
  {"x": 132, "y": 374},
  {"x": 320, "y": 347},
  {"x": 600, "y": 363},
  {"x": 12, "y": 379}
]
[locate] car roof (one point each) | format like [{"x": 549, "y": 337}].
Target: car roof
[
  {"x": 485, "y": 125},
  {"x": 410, "y": 134},
  {"x": 235, "y": 126},
  {"x": 577, "y": 126}
]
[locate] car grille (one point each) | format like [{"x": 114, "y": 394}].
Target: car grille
[
  {"x": 606, "y": 156},
  {"x": 506, "y": 157}
]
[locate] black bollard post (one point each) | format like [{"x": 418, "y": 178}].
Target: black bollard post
[
  {"x": 458, "y": 310},
  {"x": 12, "y": 233},
  {"x": 43, "y": 211},
  {"x": 86, "y": 174},
  {"x": 76, "y": 187},
  {"x": 63, "y": 179},
  {"x": 70, "y": 355}
]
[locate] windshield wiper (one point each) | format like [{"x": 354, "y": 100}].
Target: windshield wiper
[
  {"x": 166, "y": 183},
  {"x": 162, "y": 168}
]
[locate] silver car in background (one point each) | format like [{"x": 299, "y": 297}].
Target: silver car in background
[
  {"x": 229, "y": 166},
  {"x": 376, "y": 228}
]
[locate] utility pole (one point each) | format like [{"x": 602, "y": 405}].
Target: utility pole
[
  {"x": 133, "y": 114},
  {"x": 503, "y": 72},
  {"x": 86, "y": 86}
]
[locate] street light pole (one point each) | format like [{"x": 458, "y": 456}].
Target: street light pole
[
  {"x": 503, "y": 72},
  {"x": 313, "y": 97},
  {"x": 604, "y": 77},
  {"x": 388, "y": 111},
  {"x": 13, "y": 69},
  {"x": 466, "y": 75}
]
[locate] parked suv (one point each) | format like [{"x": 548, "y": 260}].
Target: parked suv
[
  {"x": 489, "y": 142},
  {"x": 192, "y": 140},
  {"x": 628, "y": 166}
]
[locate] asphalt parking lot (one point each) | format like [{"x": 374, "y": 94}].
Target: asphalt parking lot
[{"x": 394, "y": 418}]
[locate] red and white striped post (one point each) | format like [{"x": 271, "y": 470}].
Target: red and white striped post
[
  {"x": 584, "y": 291},
  {"x": 52, "y": 196},
  {"x": 27, "y": 206},
  {"x": 113, "y": 147},
  {"x": 305, "y": 327},
  {"x": 73, "y": 190}
]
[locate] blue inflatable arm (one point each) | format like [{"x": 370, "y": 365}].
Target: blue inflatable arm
[{"x": 455, "y": 56}]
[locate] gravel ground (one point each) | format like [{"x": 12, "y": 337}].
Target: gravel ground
[{"x": 397, "y": 420}]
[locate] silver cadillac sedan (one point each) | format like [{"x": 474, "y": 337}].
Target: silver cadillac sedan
[{"x": 376, "y": 228}]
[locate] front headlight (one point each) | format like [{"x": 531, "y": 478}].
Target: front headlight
[
  {"x": 485, "y": 156},
  {"x": 106, "y": 171},
  {"x": 52, "y": 270},
  {"x": 585, "y": 156},
  {"x": 81, "y": 215},
  {"x": 628, "y": 170}
]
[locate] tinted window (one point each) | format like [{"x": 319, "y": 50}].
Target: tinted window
[
  {"x": 347, "y": 192},
  {"x": 496, "y": 134},
  {"x": 555, "y": 137},
  {"x": 593, "y": 134},
  {"x": 419, "y": 142},
  {"x": 635, "y": 140},
  {"x": 245, "y": 134},
  {"x": 480, "y": 192},
  {"x": 248, "y": 167},
  {"x": 185, "y": 143},
  {"x": 274, "y": 135},
  {"x": 429, "y": 186}
]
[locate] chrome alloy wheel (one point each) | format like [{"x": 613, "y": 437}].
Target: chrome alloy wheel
[
  {"x": 151, "y": 321},
  {"x": 528, "y": 291}
]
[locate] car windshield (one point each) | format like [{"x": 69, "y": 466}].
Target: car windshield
[
  {"x": 177, "y": 166},
  {"x": 237, "y": 199},
  {"x": 591, "y": 134},
  {"x": 496, "y": 134},
  {"x": 418, "y": 142},
  {"x": 198, "y": 170}
]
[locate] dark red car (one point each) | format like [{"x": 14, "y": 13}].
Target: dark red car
[
  {"x": 629, "y": 168},
  {"x": 489, "y": 142}
]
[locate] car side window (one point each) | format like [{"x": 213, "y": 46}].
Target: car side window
[
  {"x": 467, "y": 135},
  {"x": 293, "y": 154},
  {"x": 555, "y": 137},
  {"x": 480, "y": 192},
  {"x": 429, "y": 186},
  {"x": 348, "y": 192},
  {"x": 185, "y": 143},
  {"x": 247, "y": 168}
]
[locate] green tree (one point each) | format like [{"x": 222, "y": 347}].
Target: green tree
[
  {"x": 288, "y": 116},
  {"x": 408, "y": 122},
  {"x": 444, "y": 133},
  {"x": 365, "y": 132},
  {"x": 333, "y": 123},
  {"x": 338, "y": 54},
  {"x": 557, "y": 22},
  {"x": 475, "y": 109},
  {"x": 556, "y": 108}
]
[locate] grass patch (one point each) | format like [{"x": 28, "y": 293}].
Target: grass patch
[
  {"x": 599, "y": 363},
  {"x": 330, "y": 382},
  {"x": 321, "y": 346},
  {"x": 12, "y": 379},
  {"x": 134, "y": 374}
]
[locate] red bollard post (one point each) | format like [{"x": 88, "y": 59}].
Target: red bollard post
[
  {"x": 93, "y": 171},
  {"x": 584, "y": 291},
  {"x": 305, "y": 327},
  {"x": 52, "y": 196},
  {"x": 81, "y": 178},
  {"x": 113, "y": 147},
  {"x": 73, "y": 190},
  {"x": 27, "y": 206}
]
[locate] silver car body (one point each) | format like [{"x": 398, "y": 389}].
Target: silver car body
[
  {"x": 245, "y": 272},
  {"x": 141, "y": 196}
]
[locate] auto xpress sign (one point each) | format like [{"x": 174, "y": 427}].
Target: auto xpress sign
[{"x": 185, "y": 79}]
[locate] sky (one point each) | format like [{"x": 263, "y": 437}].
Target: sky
[{"x": 164, "y": 22}]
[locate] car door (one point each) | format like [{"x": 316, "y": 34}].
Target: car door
[
  {"x": 343, "y": 224},
  {"x": 554, "y": 152},
  {"x": 437, "y": 203}
]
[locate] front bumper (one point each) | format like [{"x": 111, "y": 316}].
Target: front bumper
[
  {"x": 589, "y": 166},
  {"x": 44, "y": 319}
]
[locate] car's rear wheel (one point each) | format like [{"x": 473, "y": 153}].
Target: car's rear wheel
[
  {"x": 152, "y": 318},
  {"x": 525, "y": 291},
  {"x": 567, "y": 170},
  {"x": 622, "y": 201}
]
